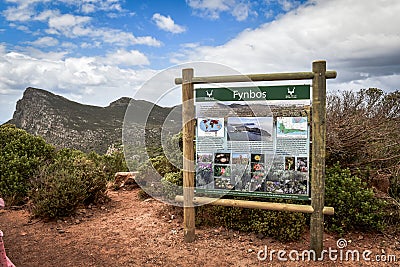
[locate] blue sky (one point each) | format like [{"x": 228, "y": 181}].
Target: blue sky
[{"x": 96, "y": 51}]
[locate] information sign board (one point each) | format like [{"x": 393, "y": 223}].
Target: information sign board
[{"x": 253, "y": 141}]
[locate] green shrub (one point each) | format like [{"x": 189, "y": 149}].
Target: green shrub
[
  {"x": 283, "y": 226},
  {"x": 111, "y": 163},
  {"x": 162, "y": 165},
  {"x": 70, "y": 181},
  {"x": 355, "y": 205},
  {"x": 172, "y": 184},
  {"x": 21, "y": 154},
  {"x": 152, "y": 176}
]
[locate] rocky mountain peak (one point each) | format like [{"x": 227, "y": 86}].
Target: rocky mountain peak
[{"x": 66, "y": 123}]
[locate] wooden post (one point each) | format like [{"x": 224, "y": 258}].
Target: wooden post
[
  {"x": 188, "y": 154},
  {"x": 318, "y": 156}
]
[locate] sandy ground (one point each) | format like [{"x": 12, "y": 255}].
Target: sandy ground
[{"x": 128, "y": 231}]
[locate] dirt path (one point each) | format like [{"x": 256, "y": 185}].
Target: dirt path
[{"x": 130, "y": 232}]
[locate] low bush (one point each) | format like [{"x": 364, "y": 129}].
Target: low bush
[
  {"x": 111, "y": 163},
  {"x": 21, "y": 154},
  {"x": 163, "y": 165},
  {"x": 66, "y": 183},
  {"x": 172, "y": 184},
  {"x": 356, "y": 207},
  {"x": 283, "y": 226}
]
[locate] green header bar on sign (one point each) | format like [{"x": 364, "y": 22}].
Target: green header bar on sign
[{"x": 254, "y": 93}]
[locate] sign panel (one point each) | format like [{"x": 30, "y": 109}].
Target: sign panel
[{"x": 253, "y": 141}]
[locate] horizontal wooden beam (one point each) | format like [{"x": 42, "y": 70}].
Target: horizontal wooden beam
[
  {"x": 256, "y": 205},
  {"x": 257, "y": 77}
]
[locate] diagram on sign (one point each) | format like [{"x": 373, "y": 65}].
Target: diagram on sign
[{"x": 292, "y": 126}]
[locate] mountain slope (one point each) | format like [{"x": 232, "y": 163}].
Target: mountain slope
[{"x": 65, "y": 123}]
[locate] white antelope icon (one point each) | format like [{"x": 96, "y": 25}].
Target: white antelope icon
[
  {"x": 291, "y": 92},
  {"x": 209, "y": 94}
]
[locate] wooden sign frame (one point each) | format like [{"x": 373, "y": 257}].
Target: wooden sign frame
[{"x": 318, "y": 75}]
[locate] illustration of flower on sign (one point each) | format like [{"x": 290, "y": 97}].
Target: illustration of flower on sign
[
  {"x": 257, "y": 157},
  {"x": 257, "y": 167},
  {"x": 222, "y": 171},
  {"x": 258, "y": 175}
]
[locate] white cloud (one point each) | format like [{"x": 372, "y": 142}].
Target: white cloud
[
  {"x": 22, "y": 28},
  {"x": 288, "y": 5},
  {"x": 108, "y": 5},
  {"x": 353, "y": 36},
  {"x": 18, "y": 13},
  {"x": 241, "y": 12},
  {"x": 53, "y": 70},
  {"x": 45, "y": 41},
  {"x": 23, "y": 11},
  {"x": 47, "y": 14},
  {"x": 126, "y": 58},
  {"x": 122, "y": 38},
  {"x": 92, "y": 80},
  {"x": 90, "y": 6},
  {"x": 40, "y": 55},
  {"x": 213, "y": 8},
  {"x": 65, "y": 22},
  {"x": 75, "y": 26},
  {"x": 167, "y": 24}
]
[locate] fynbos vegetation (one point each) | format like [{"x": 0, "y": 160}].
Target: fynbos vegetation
[{"x": 54, "y": 183}]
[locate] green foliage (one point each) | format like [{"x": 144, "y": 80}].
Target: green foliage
[
  {"x": 172, "y": 184},
  {"x": 71, "y": 180},
  {"x": 283, "y": 226},
  {"x": 56, "y": 183},
  {"x": 163, "y": 165},
  {"x": 111, "y": 162},
  {"x": 158, "y": 176},
  {"x": 20, "y": 156},
  {"x": 355, "y": 205}
]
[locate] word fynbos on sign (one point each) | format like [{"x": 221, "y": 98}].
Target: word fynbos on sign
[{"x": 249, "y": 95}]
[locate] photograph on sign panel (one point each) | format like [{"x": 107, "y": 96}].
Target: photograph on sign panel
[
  {"x": 223, "y": 183},
  {"x": 240, "y": 158},
  {"x": 281, "y": 181},
  {"x": 250, "y": 128},
  {"x": 210, "y": 127},
  {"x": 292, "y": 127},
  {"x": 204, "y": 170},
  {"x": 222, "y": 158},
  {"x": 241, "y": 177},
  {"x": 258, "y": 157},
  {"x": 289, "y": 163},
  {"x": 302, "y": 164},
  {"x": 204, "y": 157},
  {"x": 222, "y": 170}
]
